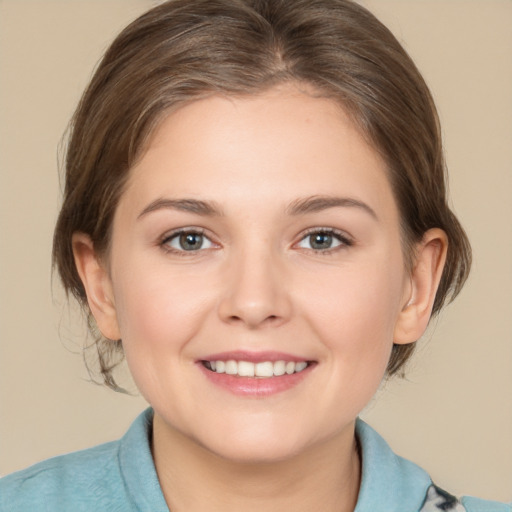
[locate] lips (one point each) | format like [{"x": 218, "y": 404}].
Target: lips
[{"x": 255, "y": 374}]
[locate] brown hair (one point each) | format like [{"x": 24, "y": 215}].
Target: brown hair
[{"x": 182, "y": 50}]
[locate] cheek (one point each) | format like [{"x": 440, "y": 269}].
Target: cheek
[
  {"x": 158, "y": 309},
  {"x": 354, "y": 312},
  {"x": 159, "y": 314}
]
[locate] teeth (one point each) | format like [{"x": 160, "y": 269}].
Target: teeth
[
  {"x": 246, "y": 369},
  {"x": 231, "y": 367},
  {"x": 300, "y": 366},
  {"x": 263, "y": 370},
  {"x": 279, "y": 368}
]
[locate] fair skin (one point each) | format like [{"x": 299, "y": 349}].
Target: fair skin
[{"x": 259, "y": 229}]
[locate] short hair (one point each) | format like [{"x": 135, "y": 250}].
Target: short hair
[{"x": 184, "y": 50}]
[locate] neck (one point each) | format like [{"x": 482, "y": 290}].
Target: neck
[{"x": 324, "y": 477}]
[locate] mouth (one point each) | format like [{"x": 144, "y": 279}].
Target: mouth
[{"x": 259, "y": 370}]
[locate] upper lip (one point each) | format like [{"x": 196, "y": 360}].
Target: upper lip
[{"x": 254, "y": 357}]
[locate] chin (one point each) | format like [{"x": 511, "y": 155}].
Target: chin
[
  {"x": 259, "y": 443},
  {"x": 259, "y": 452}
]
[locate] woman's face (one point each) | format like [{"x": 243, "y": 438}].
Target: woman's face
[{"x": 258, "y": 235}]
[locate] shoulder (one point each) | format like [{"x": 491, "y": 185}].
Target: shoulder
[
  {"x": 80, "y": 478},
  {"x": 478, "y": 505},
  {"x": 117, "y": 476},
  {"x": 437, "y": 500},
  {"x": 392, "y": 483}
]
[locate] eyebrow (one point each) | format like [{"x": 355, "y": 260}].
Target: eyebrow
[
  {"x": 206, "y": 208},
  {"x": 315, "y": 204},
  {"x": 301, "y": 206}
]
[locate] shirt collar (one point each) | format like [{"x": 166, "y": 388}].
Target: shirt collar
[
  {"x": 388, "y": 481},
  {"x": 137, "y": 466}
]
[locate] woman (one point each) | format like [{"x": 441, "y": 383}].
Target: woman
[{"x": 255, "y": 216}]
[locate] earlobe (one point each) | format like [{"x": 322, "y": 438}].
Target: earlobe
[
  {"x": 97, "y": 284},
  {"x": 430, "y": 257}
]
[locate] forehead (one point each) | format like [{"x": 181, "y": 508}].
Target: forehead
[{"x": 274, "y": 146}]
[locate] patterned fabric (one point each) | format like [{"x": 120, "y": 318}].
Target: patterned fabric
[{"x": 437, "y": 499}]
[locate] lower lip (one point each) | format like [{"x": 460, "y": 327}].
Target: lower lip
[{"x": 254, "y": 386}]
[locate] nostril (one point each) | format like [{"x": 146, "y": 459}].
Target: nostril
[
  {"x": 252, "y": 307},
  {"x": 272, "y": 319},
  {"x": 266, "y": 320}
]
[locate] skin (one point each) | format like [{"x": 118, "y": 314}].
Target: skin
[{"x": 258, "y": 284}]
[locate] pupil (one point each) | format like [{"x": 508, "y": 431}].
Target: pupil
[
  {"x": 191, "y": 241},
  {"x": 321, "y": 241}
]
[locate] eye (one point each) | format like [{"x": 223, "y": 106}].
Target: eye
[
  {"x": 187, "y": 241},
  {"x": 324, "y": 240}
]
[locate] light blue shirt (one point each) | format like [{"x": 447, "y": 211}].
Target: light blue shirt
[{"x": 121, "y": 476}]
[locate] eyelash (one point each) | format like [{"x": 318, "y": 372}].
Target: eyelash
[
  {"x": 343, "y": 239},
  {"x": 168, "y": 237},
  {"x": 340, "y": 236}
]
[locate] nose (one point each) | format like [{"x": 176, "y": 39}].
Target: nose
[{"x": 256, "y": 292}]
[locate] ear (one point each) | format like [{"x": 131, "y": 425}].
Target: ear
[
  {"x": 97, "y": 284},
  {"x": 430, "y": 257}
]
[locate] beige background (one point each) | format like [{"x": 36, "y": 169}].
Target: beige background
[{"x": 454, "y": 413}]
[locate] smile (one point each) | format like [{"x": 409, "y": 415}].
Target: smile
[
  {"x": 263, "y": 370},
  {"x": 258, "y": 374}
]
